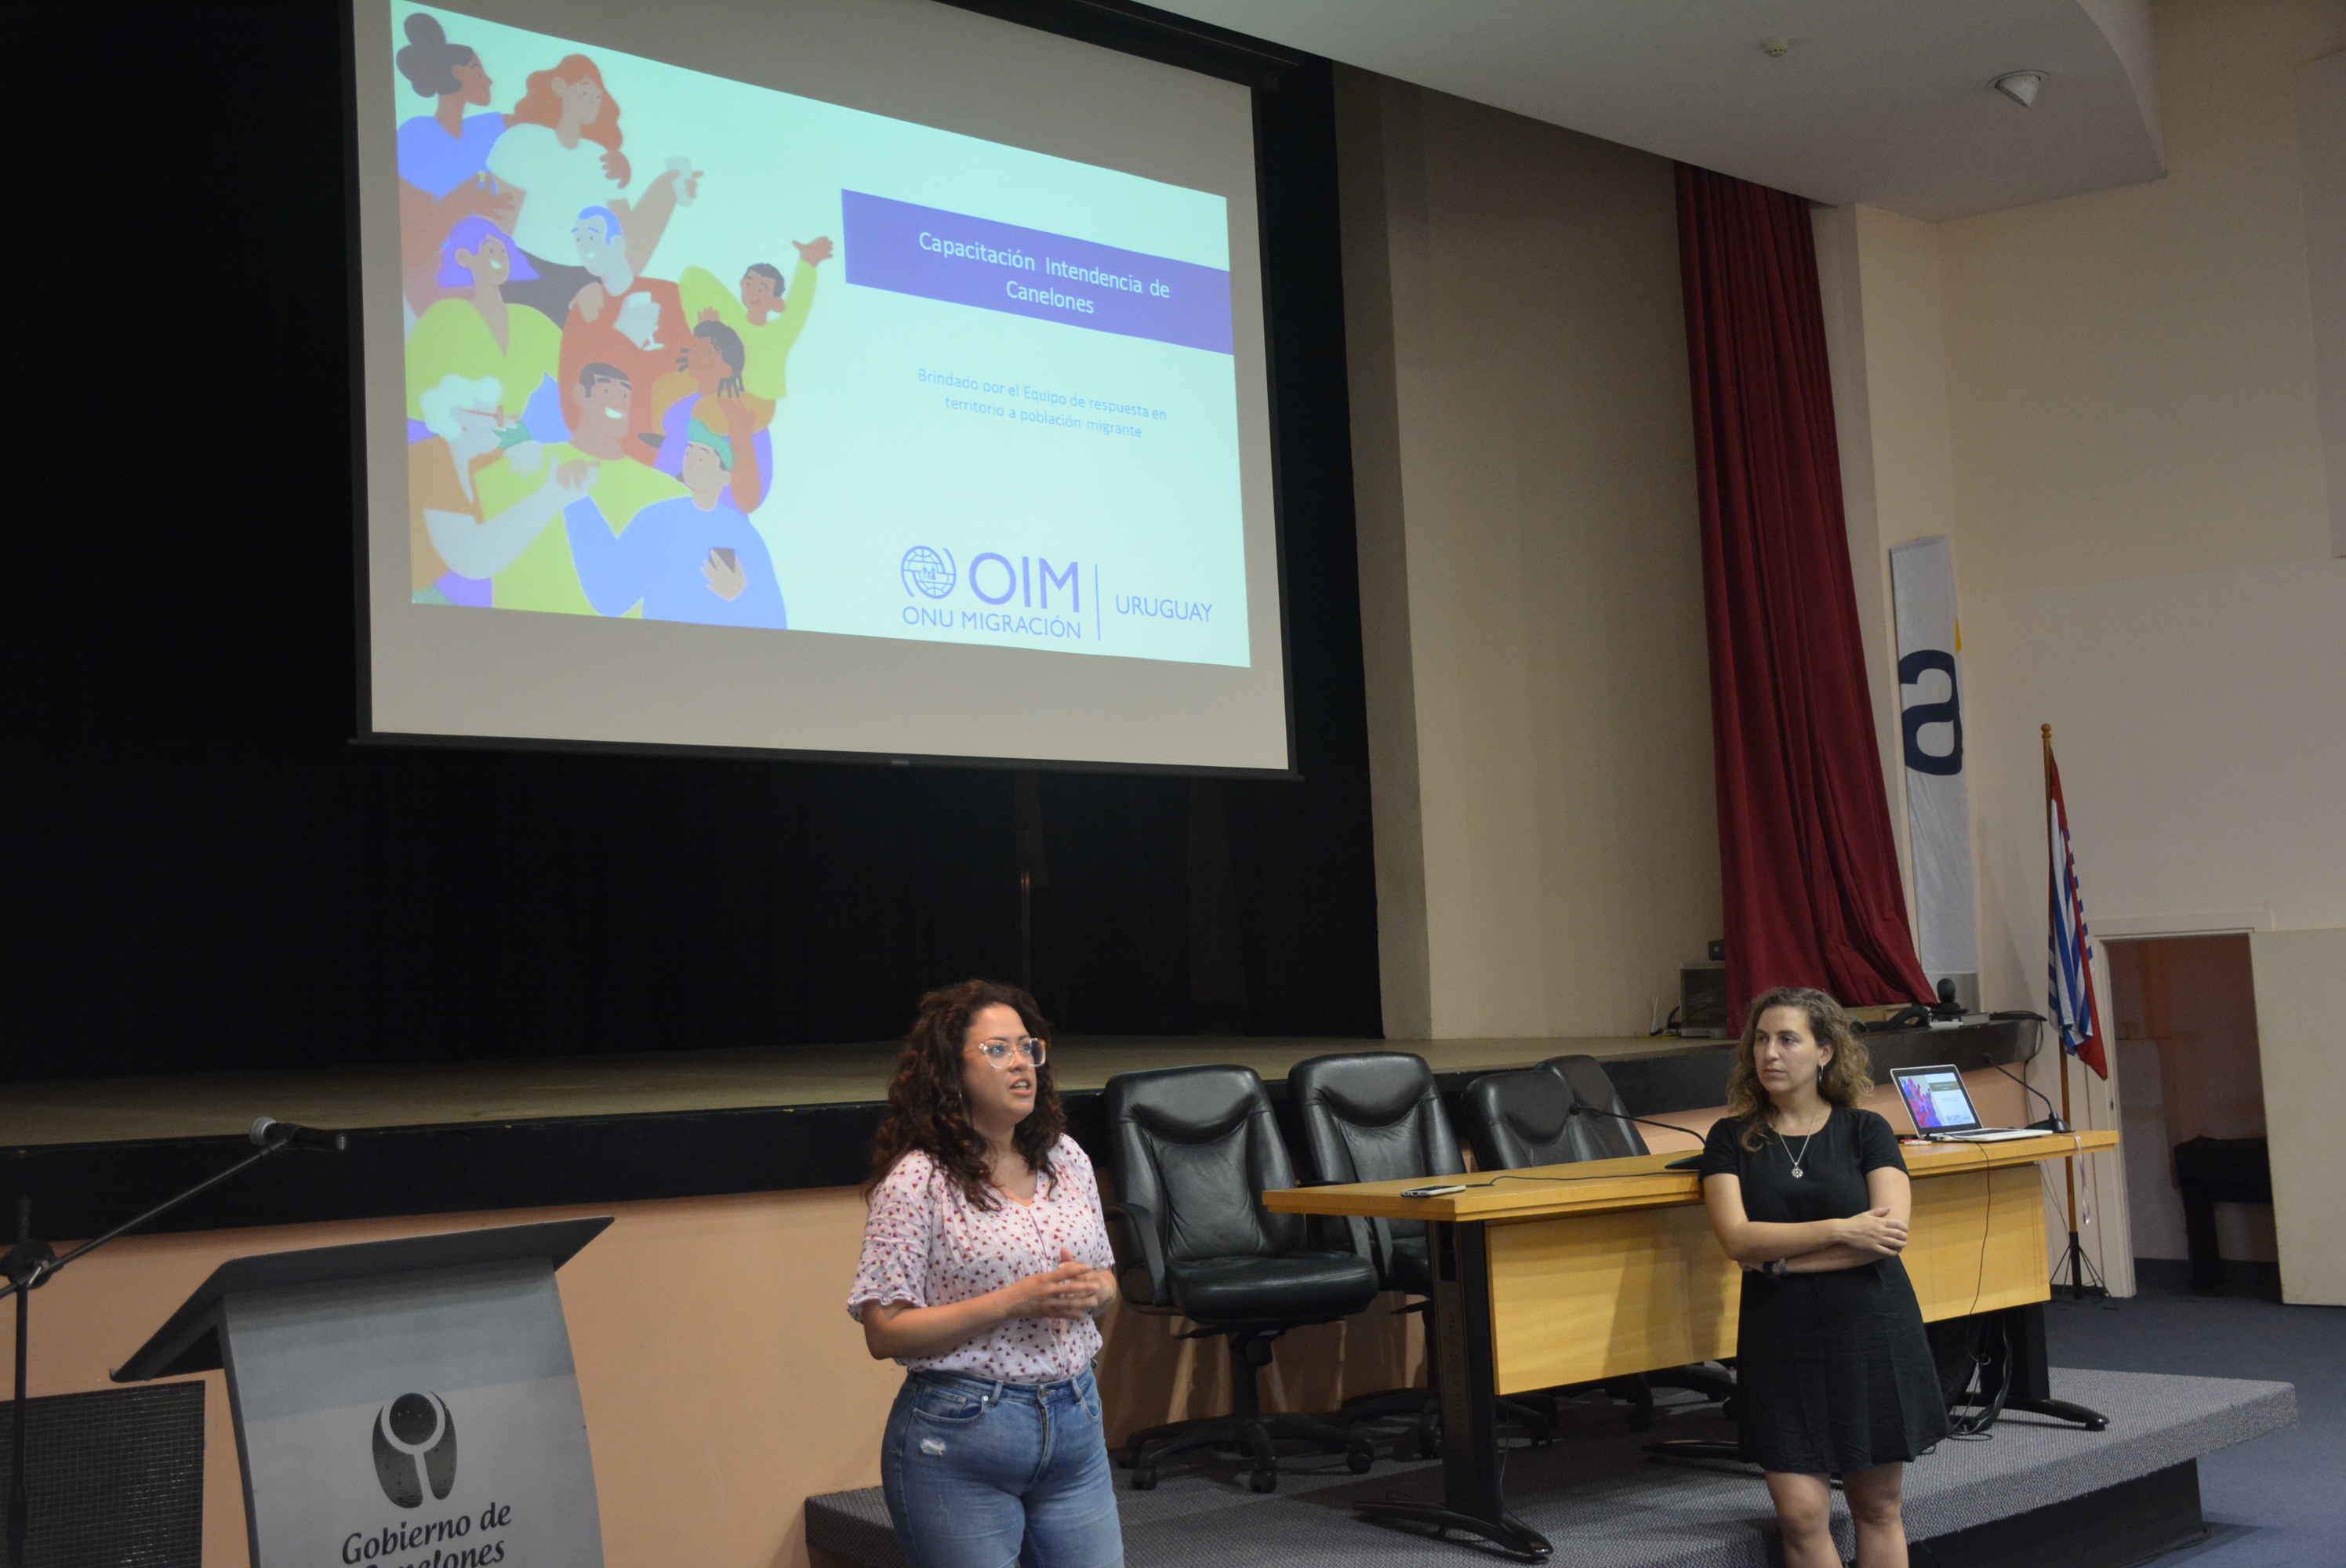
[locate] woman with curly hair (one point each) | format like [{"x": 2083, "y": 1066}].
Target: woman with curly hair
[
  {"x": 560, "y": 150},
  {"x": 986, "y": 1261},
  {"x": 1807, "y": 1192}
]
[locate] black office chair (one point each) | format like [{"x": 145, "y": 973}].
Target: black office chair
[
  {"x": 1592, "y": 1086},
  {"x": 1611, "y": 1137},
  {"x": 1193, "y": 1149},
  {"x": 1524, "y": 1118},
  {"x": 1375, "y": 1116}
]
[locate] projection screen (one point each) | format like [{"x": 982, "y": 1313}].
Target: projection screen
[{"x": 856, "y": 378}]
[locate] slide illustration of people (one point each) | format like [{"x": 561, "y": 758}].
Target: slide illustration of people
[
  {"x": 619, "y": 318},
  {"x": 543, "y": 576},
  {"x": 694, "y": 558},
  {"x": 546, "y": 373},
  {"x": 455, "y": 543},
  {"x": 767, "y": 319},
  {"x": 476, "y": 333},
  {"x": 561, "y": 151},
  {"x": 709, "y": 370},
  {"x": 444, "y": 157}
]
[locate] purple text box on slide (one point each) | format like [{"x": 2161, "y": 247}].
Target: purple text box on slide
[{"x": 966, "y": 260}]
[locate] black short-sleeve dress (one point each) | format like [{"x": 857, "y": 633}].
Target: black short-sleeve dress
[{"x": 1834, "y": 1373}]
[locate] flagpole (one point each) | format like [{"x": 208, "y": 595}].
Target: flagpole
[{"x": 2075, "y": 1258}]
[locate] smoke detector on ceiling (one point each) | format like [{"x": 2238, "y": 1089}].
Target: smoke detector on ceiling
[{"x": 2020, "y": 86}]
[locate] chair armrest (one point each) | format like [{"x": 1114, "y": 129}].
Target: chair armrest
[
  {"x": 1139, "y": 1224},
  {"x": 1366, "y": 1237}
]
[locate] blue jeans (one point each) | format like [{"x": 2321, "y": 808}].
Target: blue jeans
[{"x": 982, "y": 1475}]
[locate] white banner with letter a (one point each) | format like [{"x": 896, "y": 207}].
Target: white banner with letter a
[{"x": 1938, "y": 797}]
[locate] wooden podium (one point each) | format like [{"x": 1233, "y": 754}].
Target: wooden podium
[
  {"x": 400, "y": 1402},
  {"x": 1568, "y": 1274}
]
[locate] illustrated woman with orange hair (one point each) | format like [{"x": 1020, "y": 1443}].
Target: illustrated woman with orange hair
[
  {"x": 561, "y": 150},
  {"x": 984, "y": 1262}
]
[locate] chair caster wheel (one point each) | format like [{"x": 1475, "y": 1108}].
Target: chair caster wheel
[
  {"x": 1263, "y": 1480},
  {"x": 1144, "y": 1479},
  {"x": 1359, "y": 1460}
]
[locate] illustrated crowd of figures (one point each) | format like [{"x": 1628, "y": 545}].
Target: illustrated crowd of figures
[{"x": 582, "y": 437}]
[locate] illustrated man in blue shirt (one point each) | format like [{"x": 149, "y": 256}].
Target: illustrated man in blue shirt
[{"x": 694, "y": 557}]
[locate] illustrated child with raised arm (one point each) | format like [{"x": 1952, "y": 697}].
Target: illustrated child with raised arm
[{"x": 767, "y": 317}]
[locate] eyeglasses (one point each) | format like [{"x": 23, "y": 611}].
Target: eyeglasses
[{"x": 998, "y": 1052}]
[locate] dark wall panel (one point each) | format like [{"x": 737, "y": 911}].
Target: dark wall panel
[{"x": 206, "y": 873}]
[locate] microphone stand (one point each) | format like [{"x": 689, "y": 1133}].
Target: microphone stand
[
  {"x": 1582, "y": 1109},
  {"x": 31, "y": 1264},
  {"x": 2053, "y": 1122}
]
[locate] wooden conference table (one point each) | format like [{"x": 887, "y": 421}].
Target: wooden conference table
[{"x": 1572, "y": 1273}]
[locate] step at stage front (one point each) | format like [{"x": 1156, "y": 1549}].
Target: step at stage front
[{"x": 2035, "y": 1491}]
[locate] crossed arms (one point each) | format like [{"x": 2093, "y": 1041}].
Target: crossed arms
[{"x": 1819, "y": 1246}]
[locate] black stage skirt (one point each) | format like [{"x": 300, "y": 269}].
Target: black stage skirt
[{"x": 1834, "y": 1373}]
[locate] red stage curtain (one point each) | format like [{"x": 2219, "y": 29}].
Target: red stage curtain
[{"x": 1808, "y": 867}]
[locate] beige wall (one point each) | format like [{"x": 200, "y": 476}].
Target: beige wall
[
  {"x": 2302, "y": 1034},
  {"x": 1531, "y": 583},
  {"x": 2141, "y": 514},
  {"x": 2107, "y": 404}
]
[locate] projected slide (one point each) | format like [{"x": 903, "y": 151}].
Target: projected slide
[{"x": 683, "y": 349}]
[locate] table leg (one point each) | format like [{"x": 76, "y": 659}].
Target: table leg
[
  {"x": 1467, "y": 1379},
  {"x": 2028, "y": 1377}
]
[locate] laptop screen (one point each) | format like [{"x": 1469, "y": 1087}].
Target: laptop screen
[{"x": 1935, "y": 1097}]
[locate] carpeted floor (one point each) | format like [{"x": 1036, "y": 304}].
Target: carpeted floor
[{"x": 2274, "y": 1502}]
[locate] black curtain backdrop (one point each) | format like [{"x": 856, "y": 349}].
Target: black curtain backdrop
[{"x": 206, "y": 873}]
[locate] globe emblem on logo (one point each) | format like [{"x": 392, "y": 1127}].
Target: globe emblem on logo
[
  {"x": 415, "y": 1446},
  {"x": 929, "y": 573}
]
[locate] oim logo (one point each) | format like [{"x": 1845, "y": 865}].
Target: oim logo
[
  {"x": 415, "y": 1443},
  {"x": 928, "y": 572}
]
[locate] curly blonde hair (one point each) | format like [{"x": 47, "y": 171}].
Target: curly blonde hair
[{"x": 1847, "y": 1079}]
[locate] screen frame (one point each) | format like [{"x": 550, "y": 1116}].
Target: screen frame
[
  {"x": 1898, "y": 1075},
  {"x": 1141, "y": 31}
]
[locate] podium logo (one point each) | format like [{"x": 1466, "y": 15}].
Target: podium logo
[{"x": 415, "y": 1445}]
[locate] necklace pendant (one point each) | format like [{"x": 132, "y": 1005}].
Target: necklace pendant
[{"x": 1796, "y": 1173}]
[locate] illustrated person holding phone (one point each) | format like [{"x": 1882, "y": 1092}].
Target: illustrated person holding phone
[
  {"x": 695, "y": 557},
  {"x": 1807, "y": 1192},
  {"x": 543, "y": 576},
  {"x": 986, "y": 1261}
]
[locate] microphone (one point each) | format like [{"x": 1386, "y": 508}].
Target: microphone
[
  {"x": 2052, "y": 1122},
  {"x": 1688, "y": 1163},
  {"x": 271, "y": 1134}
]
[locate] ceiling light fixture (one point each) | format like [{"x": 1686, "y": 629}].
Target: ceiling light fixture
[
  {"x": 2020, "y": 86},
  {"x": 1775, "y": 48}
]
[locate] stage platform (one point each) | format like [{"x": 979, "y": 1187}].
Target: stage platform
[
  {"x": 444, "y": 1094},
  {"x": 460, "y": 1138},
  {"x": 2036, "y": 1492}
]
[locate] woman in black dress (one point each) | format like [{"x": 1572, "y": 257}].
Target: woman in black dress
[{"x": 1807, "y": 1193}]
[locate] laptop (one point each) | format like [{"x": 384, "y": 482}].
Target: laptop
[{"x": 1942, "y": 1107}]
